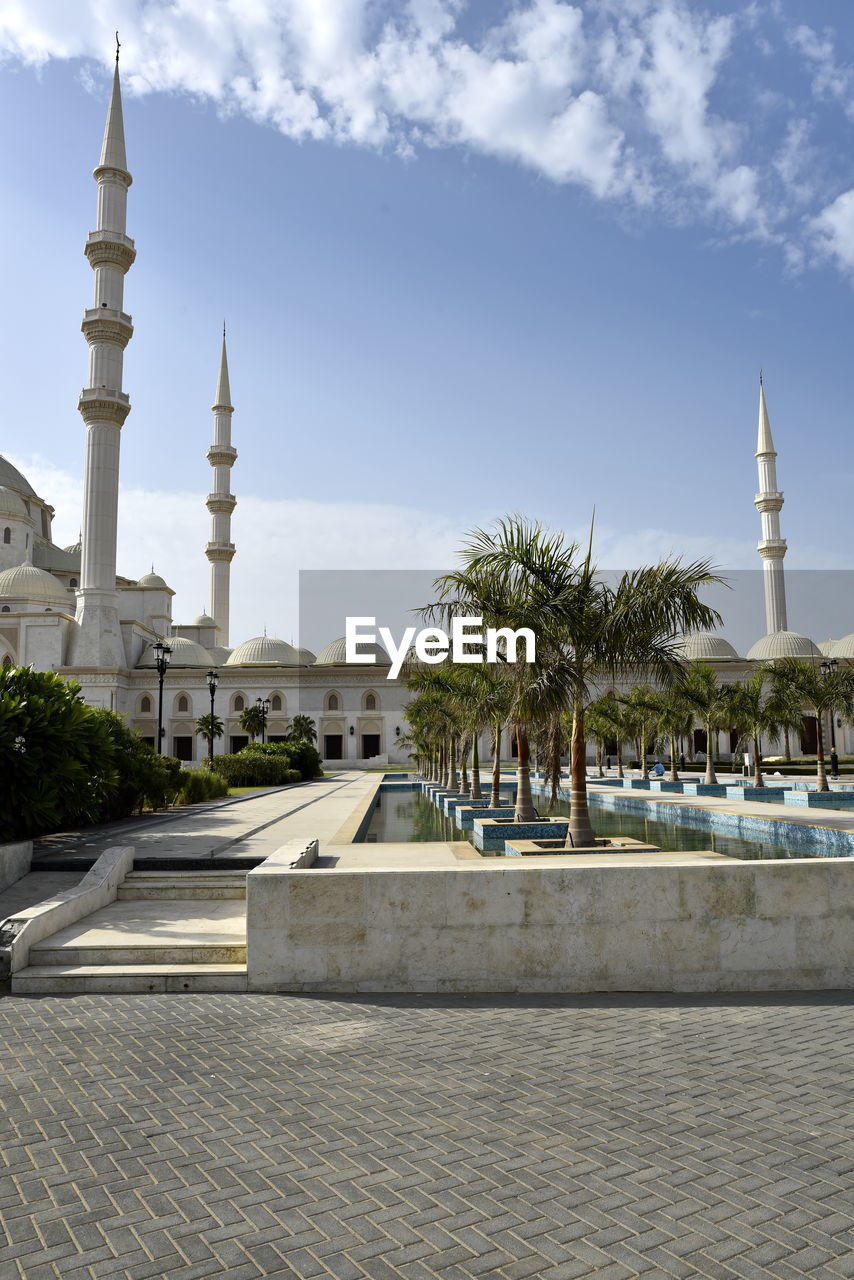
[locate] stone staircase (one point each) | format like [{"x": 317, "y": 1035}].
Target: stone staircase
[{"x": 166, "y": 931}]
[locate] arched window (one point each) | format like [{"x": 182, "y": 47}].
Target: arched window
[
  {"x": 5, "y": 609},
  {"x": 276, "y": 702},
  {"x": 183, "y": 704},
  {"x": 145, "y": 705},
  {"x": 7, "y": 535},
  {"x": 239, "y": 703},
  {"x": 73, "y": 582},
  {"x": 370, "y": 702},
  {"x": 7, "y": 660},
  {"x": 332, "y": 702}
]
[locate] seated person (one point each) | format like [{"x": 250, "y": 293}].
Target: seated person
[{"x": 657, "y": 770}]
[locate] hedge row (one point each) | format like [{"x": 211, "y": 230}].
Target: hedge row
[
  {"x": 252, "y": 769},
  {"x": 201, "y": 784}
]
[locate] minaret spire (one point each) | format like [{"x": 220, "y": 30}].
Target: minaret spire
[
  {"x": 221, "y": 502},
  {"x": 768, "y": 501},
  {"x": 103, "y": 405}
]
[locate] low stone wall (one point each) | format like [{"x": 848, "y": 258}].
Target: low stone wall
[
  {"x": 15, "y": 860},
  {"x": 98, "y": 888},
  {"x": 760, "y": 926}
]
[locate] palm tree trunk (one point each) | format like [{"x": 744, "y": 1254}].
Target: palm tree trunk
[
  {"x": 620, "y": 773},
  {"x": 787, "y": 746},
  {"x": 821, "y": 777},
  {"x": 465, "y": 788},
  {"x": 580, "y": 828},
  {"x": 674, "y": 776},
  {"x": 758, "y": 780},
  {"x": 643, "y": 755},
  {"x": 600, "y": 753},
  {"x": 525, "y": 811},
  {"x": 711, "y": 777},
  {"x": 452, "y": 764},
  {"x": 495, "y": 798},
  {"x": 475, "y": 770}
]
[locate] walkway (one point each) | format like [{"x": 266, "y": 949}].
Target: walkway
[
  {"x": 244, "y": 826},
  {"x": 413, "y": 1138}
]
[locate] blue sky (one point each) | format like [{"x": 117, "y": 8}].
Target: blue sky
[{"x": 474, "y": 258}]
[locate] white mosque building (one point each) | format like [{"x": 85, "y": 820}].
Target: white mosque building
[{"x": 68, "y": 610}]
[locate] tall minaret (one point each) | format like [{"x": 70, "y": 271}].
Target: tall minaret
[
  {"x": 103, "y": 405},
  {"x": 221, "y": 502},
  {"x": 769, "y": 500}
]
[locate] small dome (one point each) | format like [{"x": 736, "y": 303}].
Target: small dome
[
  {"x": 783, "y": 644},
  {"x": 204, "y": 620},
  {"x": 263, "y": 651},
  {"x": 703, "y": 646},
  {"x": 335, "y": 654},
  {"x": 220, "y": 654},
  {"x": 12, "y": 505},
  {"x": 11, "y": 478},
  {"x": 843, "y": 648},
  {"x": 153, "y": 580},
  {"x": 827, "y": 646},
  {"x": 305, "y": 656},
  {"x": 185, "y": 653},
  {"x": 26, "y": 582}
]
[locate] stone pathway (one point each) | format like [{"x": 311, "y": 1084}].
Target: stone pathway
[{"x": 248, "y": 1136}]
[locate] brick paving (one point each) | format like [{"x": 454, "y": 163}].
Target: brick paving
[{"x": 246, "y": 1136}]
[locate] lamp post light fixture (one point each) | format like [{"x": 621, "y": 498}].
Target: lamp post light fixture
[
  {"x": 263, "y": 705},
  {"x": 827, "y": 669},
  {"x": 162, "y": 656},
  {"x": 213, "y": 681}
]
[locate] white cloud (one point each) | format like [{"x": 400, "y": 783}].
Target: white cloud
[
  {"x": 834, "y": 231},
  {"x": 613, "y": 97}
]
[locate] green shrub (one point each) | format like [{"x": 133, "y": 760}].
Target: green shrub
[
  {"x": 56, "y": 755},
  {"x": 250, "y": 768},
  {"x": 301, "y": 755},
  {"x": 201, "y": 784}
]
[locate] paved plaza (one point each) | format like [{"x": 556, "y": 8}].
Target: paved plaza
[{"x": 247, "y": 1136}]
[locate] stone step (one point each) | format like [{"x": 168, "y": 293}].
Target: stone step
[
  {"x": 117, "y": 979},
  {"x": 157, "y": 952},
  {"x": 179, "y": 891}
]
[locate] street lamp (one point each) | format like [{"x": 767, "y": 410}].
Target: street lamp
[
  {"x": 827, "y": 669},
  {"x": 162, "y": 655},
  {"x": 213, "y": 680},
  {"x": 263, "y": 705}
]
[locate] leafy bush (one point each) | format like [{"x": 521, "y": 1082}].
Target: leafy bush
[
  {"x": 142, "y": 776},
  {"x": 201, "y": 784},
  {"x": 300, "y": 754},
  {"x": 56, "y": 756},
  {"x": 250, "y": 768}
]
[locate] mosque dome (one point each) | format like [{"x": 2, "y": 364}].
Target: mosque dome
[
  {"x": 263, "y": 651},
  {"x": 783, "y": 644},
  {"x": 185, "y": 653},
  {"x": 26, "y": 582},
  {"x": 11, "y": 478},
  {"x": 305, "y": 656},
  {"x": 220, "y": 654},
  {"x": 704, "y": 646},
  {"x": 204, "y": 620},
  {"x": 827, "y": 646},
  {"x": 11, "y": 504},
  {"x": 153, "y": 580},
  {"x": 843, "y": 648},
  {"x": 335, "y": 654}
]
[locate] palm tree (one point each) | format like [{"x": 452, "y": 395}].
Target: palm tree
[
  {"x": 252, "y": 721},
  {"x": 712, "y": 703},
  {"x": 818, "y": 693},
  {"x": 210, "y": 727},
  {"x": 302, "y": 729},
  {"x": 674, "y": 722},
  {"x": 787, "y": 707},
  {"x": 520, "y": 575},
  {"x": 600, "y": 716},
  {"x": 642, "y": 712},
  {"x": 753, "y": 715}
]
